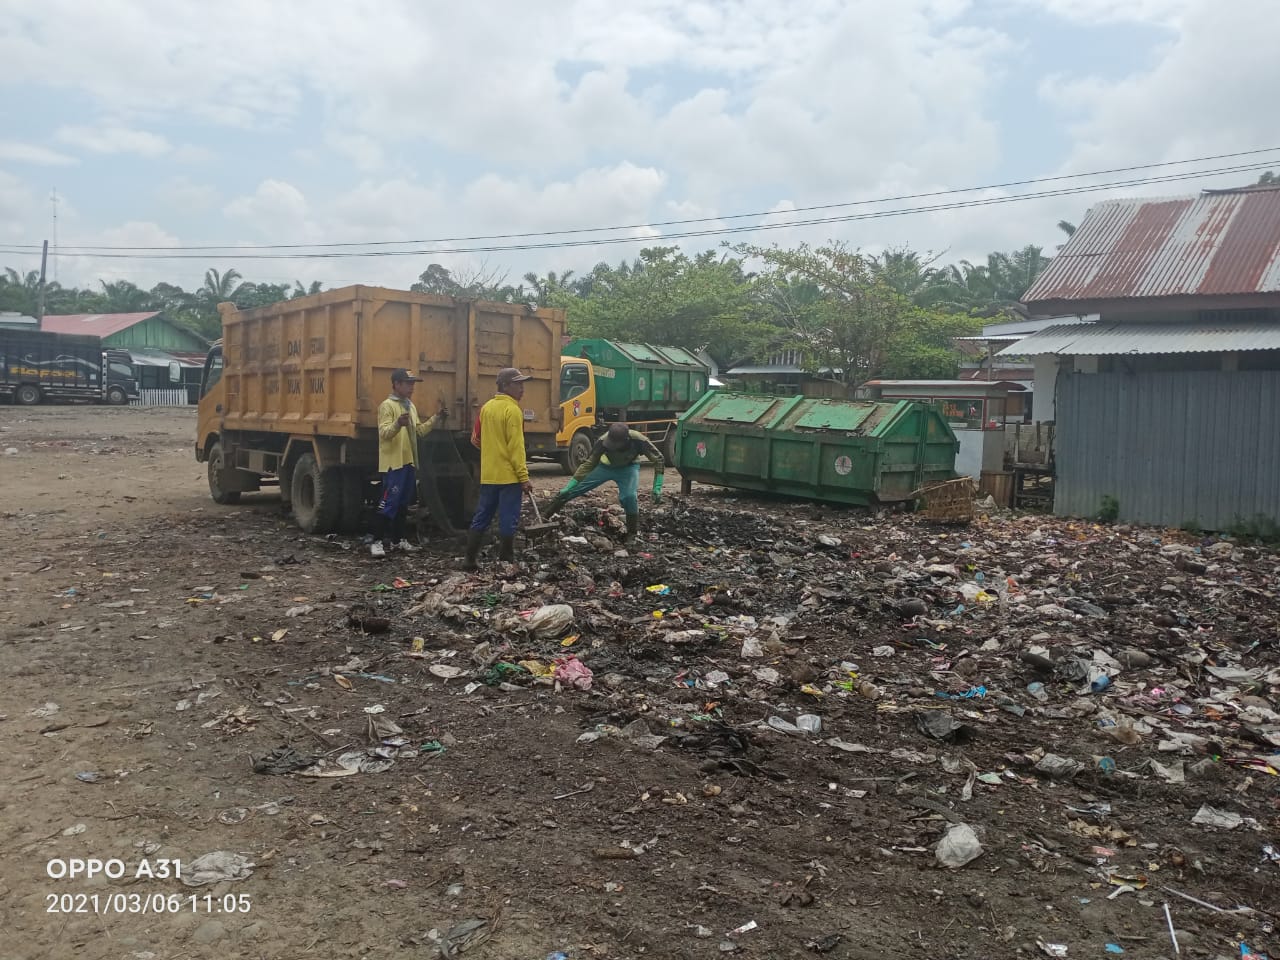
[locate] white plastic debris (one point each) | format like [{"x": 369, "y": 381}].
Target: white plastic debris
[{"x": 959, "y": 846}]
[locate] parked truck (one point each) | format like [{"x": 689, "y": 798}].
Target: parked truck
[
  {"x": 604, "y": 381},
  {"x": 290, "y": 394},
  {"x": 37, "y": 365}
]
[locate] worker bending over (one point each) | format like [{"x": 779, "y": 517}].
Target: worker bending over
[{"x": 615, "y": 457}]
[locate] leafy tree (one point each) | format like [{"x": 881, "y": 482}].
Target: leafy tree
[
  {"x": 219, "y": 287},
  {"x": 837, "y": 307},
  {"x": 479, "y": 283},
  {"x": 122, "y": 296},
  {"x": 667, "y": 298},
  {"x": 551, "y": 290},
  {"x": 300, "y": 291},
  {"x": 1270, "y": 177}
]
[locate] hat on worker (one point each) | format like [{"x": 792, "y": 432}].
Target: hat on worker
[
  {"x": 509, "y": 375},
  {"x": 404, "y": 376}
]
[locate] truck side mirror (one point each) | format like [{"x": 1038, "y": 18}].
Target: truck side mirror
[{"x": 175, "y": 371}]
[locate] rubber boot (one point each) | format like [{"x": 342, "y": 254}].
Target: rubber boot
[
  {"x": 472, "y": 559},
  {"x": 507, "y": 549},
  {"x": 633, "y": 527}
]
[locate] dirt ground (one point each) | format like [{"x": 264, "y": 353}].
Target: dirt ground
[{"x": 157, "y": 646}]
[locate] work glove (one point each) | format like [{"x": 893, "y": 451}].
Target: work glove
[
  {"x": 568, "y": 488},
  {"x": 657, "y": 488}
]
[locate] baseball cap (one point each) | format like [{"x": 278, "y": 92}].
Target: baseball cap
[
  {"x": 510, "y": 375},
  {"x": 403, "y": 376}
]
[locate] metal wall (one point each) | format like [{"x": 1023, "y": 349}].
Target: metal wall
[{"x": 1170, "y": 447}]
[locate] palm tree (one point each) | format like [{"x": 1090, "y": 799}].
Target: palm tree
[
  {"x": 300, "y": 291},
  {"x": 545, "y": 288},
  {"x": 121, "y": 296},
  {"x": 219, "y": 287}
]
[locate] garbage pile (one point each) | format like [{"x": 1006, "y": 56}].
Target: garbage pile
[{"x": 1045, "y": 693}]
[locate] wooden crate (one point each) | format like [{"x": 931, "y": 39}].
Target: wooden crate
[{"x": 948, "y": 502}]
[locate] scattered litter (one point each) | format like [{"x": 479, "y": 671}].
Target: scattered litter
[
  {"x": 283, "y": 760},
  {"x": 958, "y": 846},
  {"x": 216, "y": 867},
  {"x": 1208, "y": 816},
  {"x": 573, "y": 673}
]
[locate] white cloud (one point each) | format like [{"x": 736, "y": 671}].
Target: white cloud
[
  {"x": 1212, "y": 92},
  {"x": 274, "y": 209},
  {"x": 181, "y": 194},
  {"x": 34, "y": 154},
  {"x": 112, "y": 138}
]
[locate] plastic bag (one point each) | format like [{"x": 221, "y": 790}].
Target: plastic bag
[{"x": 550, "y": 621}]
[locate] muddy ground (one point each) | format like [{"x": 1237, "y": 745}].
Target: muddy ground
[{"x": 156, "y": 647}]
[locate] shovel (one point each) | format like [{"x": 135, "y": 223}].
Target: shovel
[{"x": 534, "y": 531}]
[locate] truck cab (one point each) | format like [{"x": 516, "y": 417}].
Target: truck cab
[
  {"x": 578, "y": 420},
  {"x": 607, "y": 381}
]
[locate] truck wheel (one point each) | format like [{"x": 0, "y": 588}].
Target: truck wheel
[
  {"x": 579, "y": 451},
  {"x": 217, "y": 471},
  {"x": 116, "y": 396},
  {"x": 351, "y": 481},
  {"x": 27, "y": 394},
  {"x": 669, "y": 446},
  {"x": 317, "y": 496}
]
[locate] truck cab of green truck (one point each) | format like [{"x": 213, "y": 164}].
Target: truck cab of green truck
[{"x": 604, "y": 381}]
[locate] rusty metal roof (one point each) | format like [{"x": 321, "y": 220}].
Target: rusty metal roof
[
  {"x": 1109, "y": 339},
  {"x": 1224, "y": 243},
  {"x": 94, "y": 324}
]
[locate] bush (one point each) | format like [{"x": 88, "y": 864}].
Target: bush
[{"x": 1109, "y": 512}]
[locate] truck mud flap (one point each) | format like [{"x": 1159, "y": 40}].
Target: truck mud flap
[{"x": 448, "y": 483}]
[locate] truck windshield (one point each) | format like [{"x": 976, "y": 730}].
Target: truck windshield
[
  {"x": 574, "y": 380},
  {"x": 212, "y": 371}
]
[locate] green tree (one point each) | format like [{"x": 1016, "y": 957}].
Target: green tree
[
  {"x": 122, "y": 296},
  {"x": 837, "y": 308},
  {"x": 667, "y": 298},
  {"x": 1270, "y": 177},
  {"x": 219, "y": 287},
  {"x": 551, "y": 290},
  {"x": 300, "y": 291},
  {"x": 478, "y": 283}
]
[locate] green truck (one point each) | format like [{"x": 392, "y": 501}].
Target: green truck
[{"x": 604, "y": 381}]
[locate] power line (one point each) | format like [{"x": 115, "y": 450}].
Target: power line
[
  {"x": 237, "y": 250},
  {"x": 246, "y": 253}
]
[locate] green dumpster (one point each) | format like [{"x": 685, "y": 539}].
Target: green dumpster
[
  {"x": 639, "y": 379},
  {"x": 840, "y": 451}
]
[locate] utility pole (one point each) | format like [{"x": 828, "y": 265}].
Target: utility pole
[
  {"x": 44, "y": 260},
  {"x": 55, "y": 234}
]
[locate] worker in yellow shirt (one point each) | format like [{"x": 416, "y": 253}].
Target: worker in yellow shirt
[
  {"x": 504, "y": 474},
  {"x": 398, "y": 431}
]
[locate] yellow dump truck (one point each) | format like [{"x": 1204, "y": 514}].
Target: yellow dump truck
[{"x": 290, "y": 396}]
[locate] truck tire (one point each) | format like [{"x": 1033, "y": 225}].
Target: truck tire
[
  {"x": 27, "y": 394},
  {"x": 579, "y": 452},
  {"x": 353, "y": 486},
  {"x": 317, "y": 496},
  {"x": 217, "y": 470},
  {"x": 116, "y": 396}
]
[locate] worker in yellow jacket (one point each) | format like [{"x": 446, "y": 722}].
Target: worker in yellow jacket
[
  {"x": 504, "y": 474},
  {"x": 398, "y": 431}
]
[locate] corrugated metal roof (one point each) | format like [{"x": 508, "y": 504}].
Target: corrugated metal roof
[
  {"x": 943, "y": 384},
  {"x": 95, "y": 324},
  {"x": 1217, "y": 244},
  {"x": 1104, "y": 339}
]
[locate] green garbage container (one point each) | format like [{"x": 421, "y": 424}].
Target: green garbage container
[{"x": 859, "y": 452}]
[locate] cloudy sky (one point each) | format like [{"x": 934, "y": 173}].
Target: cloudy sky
[{"x": 176, "y": 123}]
